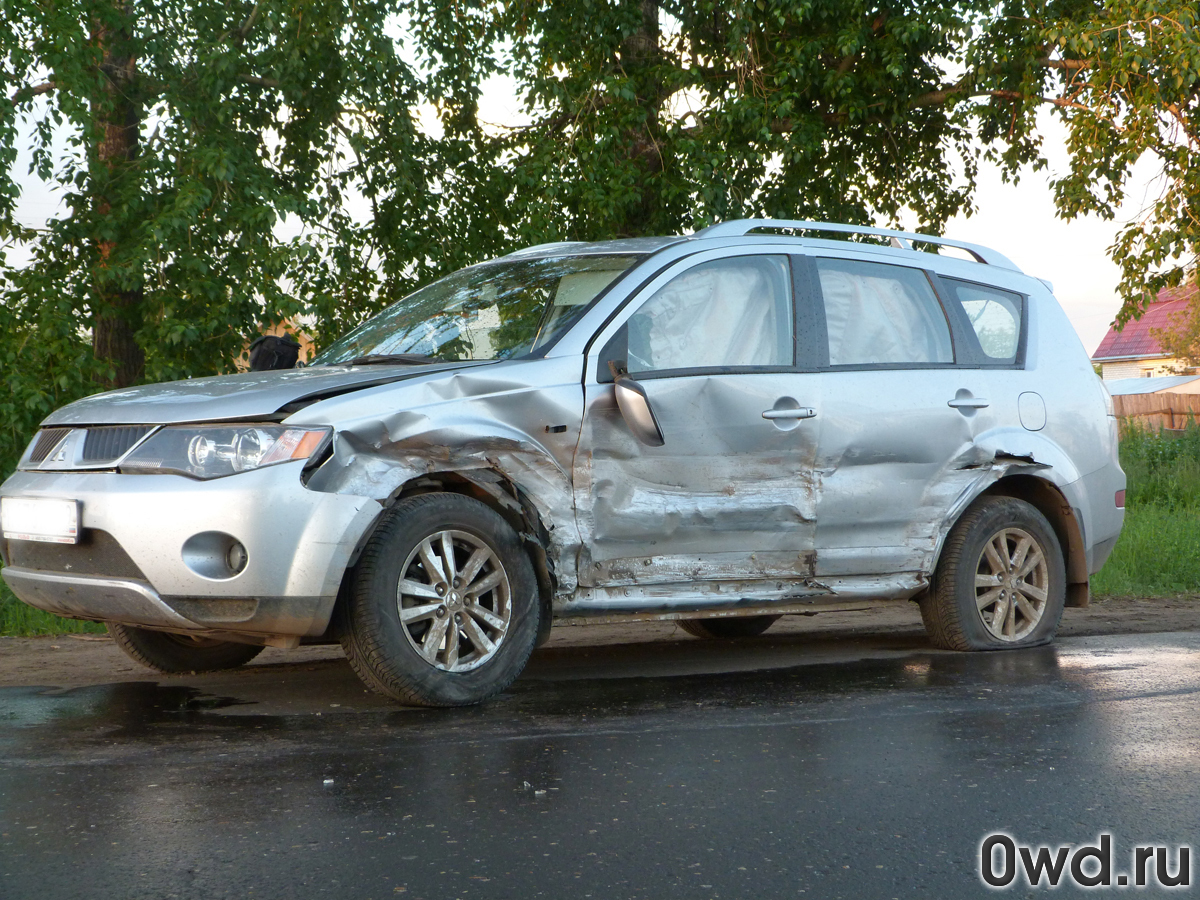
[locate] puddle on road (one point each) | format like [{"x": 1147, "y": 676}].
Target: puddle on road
[
  {"x": 558, "y": 687},
  {"x": 902, "y": 755},
  {"x": 143, "y": 704},
  {"x": 140, "y": 702}
]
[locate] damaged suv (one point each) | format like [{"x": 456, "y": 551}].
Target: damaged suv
[{"x": 720, "y": 429}]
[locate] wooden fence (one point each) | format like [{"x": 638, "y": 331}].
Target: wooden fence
[{"x": 1158, "y": 411}]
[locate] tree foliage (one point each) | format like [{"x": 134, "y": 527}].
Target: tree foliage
[
  {"x": 179, "y": 137},
  {"x": 1180, "y": 339},
  {"x": 650, "y": 117},
  {"x": 1132, "y": 89},
  {"x": 195, "y": 128},
  {"x": 658, "y": 116}
]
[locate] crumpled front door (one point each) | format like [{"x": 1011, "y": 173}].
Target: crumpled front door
[{"x": 729, "y": 495}]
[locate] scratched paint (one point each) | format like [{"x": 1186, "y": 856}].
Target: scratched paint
[{"x": 718, "y": 517}]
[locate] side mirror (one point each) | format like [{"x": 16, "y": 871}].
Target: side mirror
[{"x": 635, "y": 408}]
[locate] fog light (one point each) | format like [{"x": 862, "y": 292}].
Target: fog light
[
  {"x": 235, "y": 557},
  {"x": 214, "y": 555}
]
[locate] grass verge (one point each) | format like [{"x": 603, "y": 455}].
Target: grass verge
[{"x": 1158, "y": 553}]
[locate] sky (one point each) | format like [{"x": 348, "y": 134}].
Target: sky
[{"x": 1018, "y": 220}]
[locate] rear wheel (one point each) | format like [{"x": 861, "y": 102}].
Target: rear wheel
[
  {"x": 444, "y": 610},
  {"x": 1001, "y": 581},
  {"x": 177, "y": 653},
  {"x": 733, "y": 627}
]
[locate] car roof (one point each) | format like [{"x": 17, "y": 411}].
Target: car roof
[
  {"x": 743, "y": 228},
  {"x": 589, "y": 248}
]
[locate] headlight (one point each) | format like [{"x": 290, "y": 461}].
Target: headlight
[{"x": 213, "y": 451}]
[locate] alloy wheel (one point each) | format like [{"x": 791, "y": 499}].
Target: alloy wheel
[
  {"x": 454, "y": 601},
  {"x": 1011, "y": 584}
]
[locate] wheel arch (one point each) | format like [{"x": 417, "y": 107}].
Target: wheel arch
[
  {"x": 1046, "y": 498},
  {"x": 495, "y": 490}
]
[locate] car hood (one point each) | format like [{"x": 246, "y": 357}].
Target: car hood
[{"x": 224, "y": 397}]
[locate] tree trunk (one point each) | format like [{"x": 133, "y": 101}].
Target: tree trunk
[
  {"x": 640, "y": 60},
  {"x": 117, "y": 117}
]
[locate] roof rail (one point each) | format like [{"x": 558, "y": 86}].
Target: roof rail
[
  {"x": 901, "y": 239},
  {"x": 542, "y": 248}
]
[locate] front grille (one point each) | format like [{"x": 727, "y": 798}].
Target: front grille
[
  {"x": 111, "y": 441},
  {"x": 97, "y": 553},
  {"x": 47, "y": 440}
]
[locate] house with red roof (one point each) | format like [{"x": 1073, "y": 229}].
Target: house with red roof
[{"x": 1134, "y": 352}]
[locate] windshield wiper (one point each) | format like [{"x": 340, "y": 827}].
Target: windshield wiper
[{"x": 403, "y": 359}]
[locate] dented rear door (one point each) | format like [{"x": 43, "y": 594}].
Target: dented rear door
[{"x": 899, "y": 419}]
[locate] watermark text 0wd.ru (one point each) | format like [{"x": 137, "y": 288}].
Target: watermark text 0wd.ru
[{"x": 1004, "y": 863}]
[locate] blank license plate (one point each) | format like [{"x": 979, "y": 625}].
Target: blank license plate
[{"x": 39, "y": 519}]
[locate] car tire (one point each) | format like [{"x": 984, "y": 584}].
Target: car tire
[
  {"x": 426, "y": 637},
  {"x": 175, "y": 654},
  {"x": 1000, "y": 582},
  {"x": 733, "y": 627}
]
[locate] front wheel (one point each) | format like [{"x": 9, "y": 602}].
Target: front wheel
[
  {"x": 174, "y": 654},
  {"x": 444, "y": 610},
  {"x": 1001, "y": 580}
]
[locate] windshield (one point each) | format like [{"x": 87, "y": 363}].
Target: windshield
[{"x": 501, "y": 310}]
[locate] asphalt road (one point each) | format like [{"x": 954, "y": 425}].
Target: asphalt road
[{"x": 779, "y": 768}]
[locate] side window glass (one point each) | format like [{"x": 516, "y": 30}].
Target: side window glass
[
  {"x": 880, "y": 314},
  {"x": 995, "y": 315},
  {"x": 726, "y": 313}
]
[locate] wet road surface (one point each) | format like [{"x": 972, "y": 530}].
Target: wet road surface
[{"x": 775, "y": 768}]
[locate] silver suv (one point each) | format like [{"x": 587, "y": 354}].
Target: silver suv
[{"x": 717, "y": 429}]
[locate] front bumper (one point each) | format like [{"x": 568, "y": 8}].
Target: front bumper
[{"x": 130, "y": 565}]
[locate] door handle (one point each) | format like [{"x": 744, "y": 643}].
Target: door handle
[
  {"x": 968, "y": 403},
  {"x": 803, "y": 412}
]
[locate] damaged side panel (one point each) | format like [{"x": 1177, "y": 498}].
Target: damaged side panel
[
  {"x": 904, "y": 452},
  {"x": 519, "y": 424},
  {"x": 934, "y": 509},
  {"x": 893, "y": 457},
  {"x": 733, "y": 509},
  {"x": 950, "y": 495},
  {"x": 744, "y": 597},
  {"x": 730, "y": 495}
]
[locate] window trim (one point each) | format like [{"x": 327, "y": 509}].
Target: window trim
[
  {"x": 956, "y": 345},
  {"x": 812, "y": 341},
  {"x": 709, "y": 370}
]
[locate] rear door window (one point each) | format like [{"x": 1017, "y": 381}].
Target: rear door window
[
  {"x": 995, "y": 317},
  {"x": 882, "y": 315}
]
